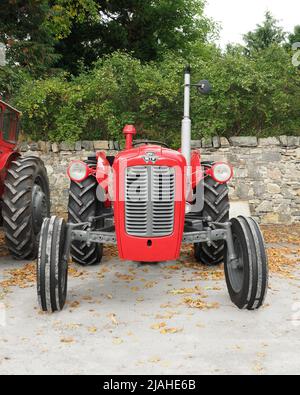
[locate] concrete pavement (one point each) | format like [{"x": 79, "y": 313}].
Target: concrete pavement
[{"x": 128, "y": 318}]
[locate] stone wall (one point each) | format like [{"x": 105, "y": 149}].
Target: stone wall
[{"x": 267, "y": 171}]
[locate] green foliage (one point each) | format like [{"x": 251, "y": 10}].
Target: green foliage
[
  {"x": 295, "y": 36},
  {"x": 124, "y": 62},
  {"x": 265, "y": 35},
  {"x": 11, "y": 79},
  {"x": 258, "y": 96},
  {"x": 26, "y": 35},
  {"x": 147, "y": 29}
]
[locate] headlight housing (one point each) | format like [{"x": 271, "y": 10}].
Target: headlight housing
[
  {"x": 221, "y": 172},
  {"x": 78, "y": 171}
]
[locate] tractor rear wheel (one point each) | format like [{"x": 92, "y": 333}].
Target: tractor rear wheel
[
  {"x": 83, "y": 204},
  {"x": 216, "y": 206},
  {"x": 247, "y": 278},
  {"x": 52, "y": 266},
  {"x": 26, "y": 203}
]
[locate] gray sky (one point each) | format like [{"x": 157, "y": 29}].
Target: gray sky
[{"x": 237, "y": 17}]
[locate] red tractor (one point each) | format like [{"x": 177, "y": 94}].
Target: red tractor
[
  {"x": 148, "y": 200},
  {"x": 24, "y": 190}
]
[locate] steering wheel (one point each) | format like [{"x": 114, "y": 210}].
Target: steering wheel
[{"x": 151, "y": 142}]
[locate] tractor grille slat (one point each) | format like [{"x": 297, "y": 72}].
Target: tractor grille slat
[{"x": 149, "y": 201}]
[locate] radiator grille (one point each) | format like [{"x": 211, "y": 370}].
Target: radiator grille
[{"x": 149, "y": 200}]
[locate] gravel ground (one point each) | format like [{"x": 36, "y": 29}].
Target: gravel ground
[{"x": 128, "y": 318}]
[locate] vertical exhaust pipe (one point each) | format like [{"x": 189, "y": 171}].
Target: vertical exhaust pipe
[{"x": 187, "y": 125}]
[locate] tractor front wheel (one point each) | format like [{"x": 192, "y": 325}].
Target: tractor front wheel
[
  {"x": 52, "y": 266},
  {"x": 26, "y": 203},
  {"x": 247, "y": 277}
]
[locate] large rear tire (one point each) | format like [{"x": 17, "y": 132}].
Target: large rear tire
[
  {"x": 216, "y": 206},
  {"x": 247, "y": 281},
  {"x": 52, "y": 266},
  {"x": 83, "y": 204},
  {"x": 26, "y": 203}
]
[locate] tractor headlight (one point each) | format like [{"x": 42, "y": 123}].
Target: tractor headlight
[
  {"x": 221, "y": 172},
  {"x": 78, "y": 171}
]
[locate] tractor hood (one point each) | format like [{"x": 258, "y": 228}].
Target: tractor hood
[
  {"x": 149, "y": 228},
  {"x": 151, "y": 155}
]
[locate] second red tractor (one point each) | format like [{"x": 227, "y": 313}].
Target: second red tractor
[
  {"x": 149, "y": 200},
  {"x": 24, "y": 190}
]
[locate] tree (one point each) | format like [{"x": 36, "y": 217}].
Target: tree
[
  {"x": 295, "y": 37},
  {"x": 147, "y": 29},
  {"x": 265, "y": 35},
  {"x": 30, "y": 29},
  {"x": 26, "y": 35}
]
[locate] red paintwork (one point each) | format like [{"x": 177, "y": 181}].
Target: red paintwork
[
  {"x": 102, "y": 175},
  {"x": 197, "y": 173},
  {"x": 136, "y": 248},
  {"x": 8, "y": 151},
  {"x": 129, "y": 131}
]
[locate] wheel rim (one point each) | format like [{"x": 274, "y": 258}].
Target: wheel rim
[
  {"x": 39, "y": 207},
  {"x": 236, "y": 272}
]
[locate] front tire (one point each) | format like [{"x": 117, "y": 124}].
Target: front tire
[
  {"x": 83, "y": 204},
  {"x": 26, "y": 203},
  {"x": 52, "y": 266},
  {"x": 247, "y": 282},
  {"x": 216, "y": 206}
]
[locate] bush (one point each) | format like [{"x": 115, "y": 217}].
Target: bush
[{"x": 251, "y": 95}]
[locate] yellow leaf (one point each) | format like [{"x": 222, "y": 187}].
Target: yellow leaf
[
  {"x": 159, "y": 325},
  {"x": 166, "y": 331},
  {"x": 117, "y": 340}
]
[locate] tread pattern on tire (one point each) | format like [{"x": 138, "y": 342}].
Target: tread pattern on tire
[
  {"x": 82, "y": 205},
  {"x": 259, "y": 259},
  {"x": 254, "y": 296},
  {"x": 216, "y": 206},
  {"x": 17, "y": 206},
  {"x": 49, "y": 265}
]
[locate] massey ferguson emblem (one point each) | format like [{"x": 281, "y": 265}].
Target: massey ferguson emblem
[{"x": 150, "y": 157}]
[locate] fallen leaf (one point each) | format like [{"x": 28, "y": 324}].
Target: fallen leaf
[
  {"x": 92, "y": 329},
  {"x": 158, "y": 325},
  {"x": 117, "y": 340},
  {"x": 182, "y": 291},
  {"x": 200, "y": 304},
  {"x": 154, "y": 359},
  {"x": 67, "y": 340},
  {"x": 140, "y": 299},
  {"x": 166, "y": 331},
  {"x": 113, "y": 318},
  {"x": 74, "y": 304},
  {"x": 150, "y": 284}
]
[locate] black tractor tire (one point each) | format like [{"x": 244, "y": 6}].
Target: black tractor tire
[
  {"x": 216, "y": 206},
  {"x": 247, "y": 282},
  {"x": 52, "y": 266},
  {"x": 83, "y": 204},
  {"x": 25, "y": 204}
]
